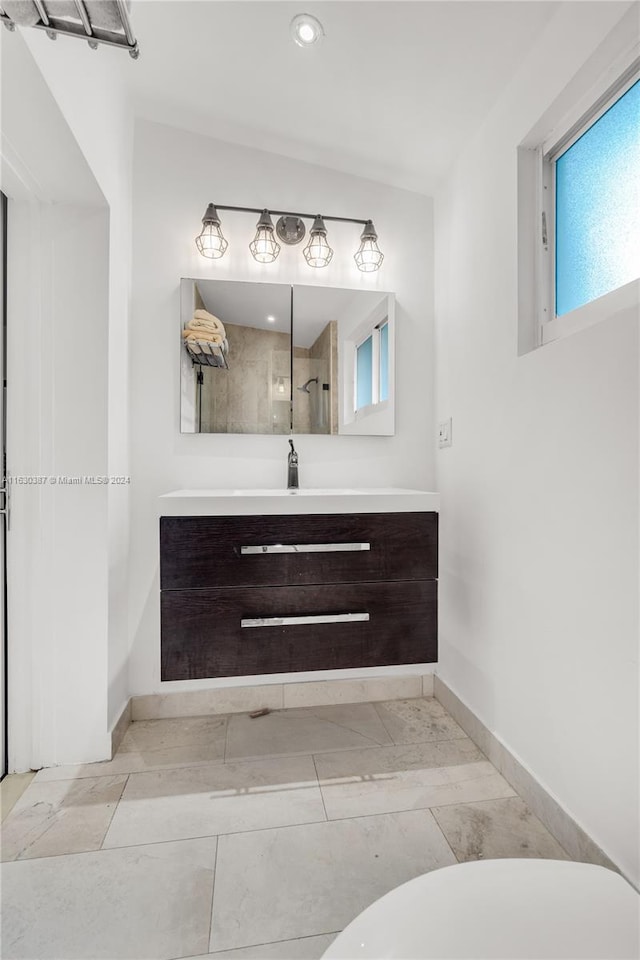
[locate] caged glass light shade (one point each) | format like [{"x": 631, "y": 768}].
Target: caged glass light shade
[
  {"x": 264, "y": 247},
  {"x": 210, "y": 241},
  {"x": 368, "y": 256},
  {"x": 317, "y": 252}
]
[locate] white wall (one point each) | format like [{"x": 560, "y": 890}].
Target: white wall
[
  {"x": 90, "y": 89},
  {"x": 57, "y": 568},
  {"x": 539, "y": 514},
  {"x": 175, "y": 175}
]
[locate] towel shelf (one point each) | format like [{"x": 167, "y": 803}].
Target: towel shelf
[
  {"x": 97, "y": 23},
  {"x": 208, "y": 354}
]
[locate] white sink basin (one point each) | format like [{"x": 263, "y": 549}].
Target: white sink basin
[{"x": 304, "y": 500}]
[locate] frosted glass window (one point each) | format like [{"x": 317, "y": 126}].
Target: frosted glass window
[
  {"x": 364, "y": 374},
  {"x": 384, "y": 362},
  {"x": 597, "y": 234}
]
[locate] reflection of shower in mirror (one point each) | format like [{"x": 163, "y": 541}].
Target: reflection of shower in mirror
[
  {"x": 305, "y": 386},
  {"x": 319, "y": 400}
]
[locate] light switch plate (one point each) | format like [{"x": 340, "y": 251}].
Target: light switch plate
[{"x": 445, "y": 433}]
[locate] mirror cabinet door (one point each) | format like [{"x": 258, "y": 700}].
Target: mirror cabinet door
[
  {"x": 343, "y": 361},
  {"x": 235, "y": 348}
]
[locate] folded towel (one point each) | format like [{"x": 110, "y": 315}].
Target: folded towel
[
  {"x": 204, "y": 335},
  {"x": 203, "y": 320}
]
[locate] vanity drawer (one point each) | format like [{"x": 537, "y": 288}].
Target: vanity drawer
[
  {"x": 239, "y": 632},
  {"x": 203, "y": 552}
]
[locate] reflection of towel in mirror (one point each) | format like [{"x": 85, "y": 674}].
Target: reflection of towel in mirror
[
  {"x": 203, "y": 320},
  {"x": 204, "y": 335}
]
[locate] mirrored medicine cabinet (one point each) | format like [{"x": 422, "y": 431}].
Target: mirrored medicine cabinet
[{"x": 269, "y": 358}]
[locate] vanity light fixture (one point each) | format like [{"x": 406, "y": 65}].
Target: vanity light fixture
[
  {"x": 264, "y": 248},
  {"x": 306, "y": 29},
  {"x": 210, "y": 241},
  {"x": 368, "y": 257},
  {"x": 291, "y": 230},
  {"x": 317, "y": 252}
]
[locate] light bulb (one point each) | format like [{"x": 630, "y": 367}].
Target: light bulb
[
  {"x": 210, "y": 241},
  {"x": 264, "y": 247},
  {"x": 317, "y": 252},
  {"x": 306, "y": 29},
  {"x": 368, "y": 256}
]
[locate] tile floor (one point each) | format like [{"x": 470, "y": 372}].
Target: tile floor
[{"x": 231, "y": 837}]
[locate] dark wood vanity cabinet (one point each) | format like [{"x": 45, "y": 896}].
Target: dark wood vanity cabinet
[{"x": 242, "y": 596}]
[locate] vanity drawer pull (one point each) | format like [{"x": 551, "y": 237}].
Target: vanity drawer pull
[
  {"x": 304, "y": 548},
  {"x": 315, "y": 618}
]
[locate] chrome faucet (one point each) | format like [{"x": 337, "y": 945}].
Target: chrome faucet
[{"x": 292, "y": 468}]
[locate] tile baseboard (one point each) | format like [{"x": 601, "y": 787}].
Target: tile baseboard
[
  {"x": 120, "y": 728},
  {"x": 577, "y": 843},
  {"x": 276, "y": 696}
]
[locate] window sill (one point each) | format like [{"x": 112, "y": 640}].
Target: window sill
[{"x": 617, "y": 301}]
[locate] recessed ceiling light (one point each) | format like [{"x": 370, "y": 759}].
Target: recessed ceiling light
[
  {"x": 271, "y": 319},
  {"x": 306, "y": 29}
]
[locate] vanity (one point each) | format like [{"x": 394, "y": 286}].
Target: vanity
[
  {"x": 274, "y": 581},
  {"x": 257, "y": 582}
]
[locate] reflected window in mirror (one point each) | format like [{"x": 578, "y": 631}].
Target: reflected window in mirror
[
  {"x": 372, "y": 368},
  {"x": 384, "y": 361},
  {"x": 364, "y": 373}
]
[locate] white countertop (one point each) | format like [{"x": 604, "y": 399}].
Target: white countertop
[{"x": 248, "y": 501}]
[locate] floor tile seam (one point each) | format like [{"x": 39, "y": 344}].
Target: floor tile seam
[
  {"x": 516, "y": 796},
  {"x": 364, "y": 777},
  {"x": 254, "y": 759},
  {"x": 375, "y": 706},
  {"x": 324, "y": 806},
  {"x": 98, "y": 775},
  {"x": 227, "y": 833},
  {"x": 265, "y": 943},
  {"x": 309, "y": 823},
  {"x": 130, "y": 846},
  {"x": 317, "y": 782},
  {"x": 308, "y": 753},
  {"x": 113, "y": 813},
  {"x": 429, "y": 807},
  {"x": 351, "y": 729},
  {"x": 213, "y": 893},
  {"x": 444, "y": 836},
  {"x": 226, "y": 740},
  {"x": 301, "y": 756},
  {"x": 335, "y": 723},
  {"x": 379, "y": 746},
  {"x": 214, "y": 764}
]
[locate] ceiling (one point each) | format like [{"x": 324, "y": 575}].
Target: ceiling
[
  {"x": 267, "y": 306},
  {"x": 390, "y": 93}
]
